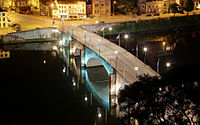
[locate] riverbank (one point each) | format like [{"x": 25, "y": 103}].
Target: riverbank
[{"x": 156, "y": 25}]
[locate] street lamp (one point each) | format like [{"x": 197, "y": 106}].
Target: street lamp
[
  {"x": 84, "y": 19},
  {"x": 96, "y": 23},
  {"x": 168, "y": 64},
  {"x": 114, "y": 7},
  {"x": 136, "y": 70},
  {"x": 52, "y": 5},
  {"x": 85, "y": 37},
  {"x": 126, "y": 37},
  {"x": 145, "y": 51},
  {"x": 116, "y": 53},
  {"x": 110, "y": 29},
  {"x": 86, "y": 98},
  {"x": 72, "y": 29},
  {"x": 99, "y": 45}
]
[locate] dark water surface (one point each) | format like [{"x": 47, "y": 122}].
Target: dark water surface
[
  {"x": 178, "y": 48},
  {"x": 35, "y": 90}
]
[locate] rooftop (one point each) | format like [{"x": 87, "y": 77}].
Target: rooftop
[{"x": 68, "y": 1}]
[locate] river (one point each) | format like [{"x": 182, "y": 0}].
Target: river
[{"x": 39, "y": 87}]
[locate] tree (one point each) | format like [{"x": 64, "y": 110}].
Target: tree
[
  {"x": 173, "y": 8},
  {"x": 188, "y": 6},
  {"x": 172, "y": 99},
  {"x": 126, "y": 6}
]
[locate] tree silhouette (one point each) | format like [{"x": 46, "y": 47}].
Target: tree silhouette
[
  {"x": 172, "y": 99},
  {"x": 188, "y": 5}
]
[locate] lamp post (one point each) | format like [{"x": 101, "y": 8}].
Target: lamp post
[
  {"x": 168, "y": 64},
  {"x": 163, "y": 44},
  {"x": 96, "y": 23},
  {"x": 110, "y": 29},
  {"x": 116, "y": 53},
  {"x": 145, "y": 51},
  {"x": 99, "y": 45},
  {"x": 72, "y": 29},
  {"x": 85, "y": 37},
  {"x": 136, "y": 70},
  {"x": 137, "y": 48},
  {"x": 158, "y": 65},
  {"x": 114, "y": 7},
  {"x": 126, "y": 37},
  {"x": 84, "y": 19}
]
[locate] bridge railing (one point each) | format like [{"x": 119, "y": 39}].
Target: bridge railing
[{"x": 124, "y": 62}]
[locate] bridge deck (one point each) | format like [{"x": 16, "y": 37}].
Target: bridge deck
[{"x": 125, "y": 63}]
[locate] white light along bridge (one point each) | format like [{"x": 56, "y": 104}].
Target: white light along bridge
[{"x": 124, "y": 63}]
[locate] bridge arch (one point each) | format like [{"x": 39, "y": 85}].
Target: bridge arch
[{"x": 91, "y": 55}]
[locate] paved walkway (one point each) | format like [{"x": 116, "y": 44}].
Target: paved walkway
[{"x": 123, "y": 61}]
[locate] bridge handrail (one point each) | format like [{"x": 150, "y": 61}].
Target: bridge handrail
[{"x": 124, "y": 57}]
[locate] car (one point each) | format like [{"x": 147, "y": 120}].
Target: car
[
  {"x": 148, "y": 15},
  {"x": 156, "y": 14},
  {"x": 138, "y": 14},
  {"x": 193, "y": 13},
  {"x": 15, "y": 25},
  {"x": 42, "y": 14},
  {"x": 133, "y": 16},
  {"x": 101, "y": 22}
]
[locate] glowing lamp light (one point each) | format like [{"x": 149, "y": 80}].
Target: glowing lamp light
[
  {"x": 99, "y": 115},
  {"x": 110, "y": 28},
  {"x": 168, "y": 64},
  {"x": 55, "y": 48},
  {"x": 97, "y": 21},
  {"x": 126, "y": 36},
  {"x": 74, "y": 83},
  {"x": 136, "y": 68},
  {"x": 116, "y": 52},
  {"x": 145, "y": 49},
  {"x": 44, "y": 61},
  {"x": 163, "y": 43},
  {"x": 64, "y": 69},
  {"x": 86, "y": 98}
]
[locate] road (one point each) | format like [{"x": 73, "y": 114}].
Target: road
[{"x": 34, "y": 21}]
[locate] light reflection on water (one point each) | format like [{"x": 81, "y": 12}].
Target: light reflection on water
[{"x": 51, "y": 92}]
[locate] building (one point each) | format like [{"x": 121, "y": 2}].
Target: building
[
  {"x": 101, "y": 7},
  {"x": 89, "y": 7},
  {"x": 7, "y": 4},
  {"x": 141, "y": 4},
  {"x": 26, "y": 6},
  {"x": 3, "y": 19},
  {"x": 156, "y": 6},
  {"x": 69, "y": 10},
  {"x": 159, "y": 6}
]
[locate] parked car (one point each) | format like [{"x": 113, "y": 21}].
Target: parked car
[
  {"x": 133, "y": 16},
  {"x": 15, "y": 24},
  {"x": 138, "y": 14},
  {"x": 193, "y": 13},
  {"x": 148, "y": 15},
  {"x": 156, "y": 14},
  {"x": 42, "y": 14},
  {"x": 101, "y": 22}
]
